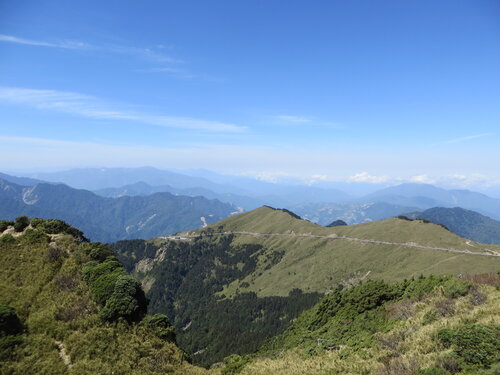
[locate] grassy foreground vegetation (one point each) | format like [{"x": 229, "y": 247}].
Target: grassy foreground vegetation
[
  {"x": 430, "y": 325},
  {"x": 57, "y": 319}
]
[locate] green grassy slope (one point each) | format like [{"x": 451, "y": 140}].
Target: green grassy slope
[
  {"x": 318, "y": 264},
  {"x": 63, "y": 330},
  {"x": 427, "y": 326}
]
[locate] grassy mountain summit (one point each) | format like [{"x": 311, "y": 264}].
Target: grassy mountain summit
[
  {"x": 68, "y": 307},
  {"x": 315, "y": 258}
]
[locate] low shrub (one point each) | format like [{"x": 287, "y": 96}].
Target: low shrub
[
  {"x": 234, "y": 364},
  {"x": 475, "y": 345},
  {"x": 476, "y": 298},
  {"x": 433, "y": 371},
  {"x": 9, "y": 321},
  {"x": 5, "y": 224},
  {"x": 21, "y": 223},
  {"x": 34, "y": 236},
  {"x": 160, "y": 326},
  {"x": 8, "y": 346},
  {"x": 400, "y": 310},
  {"x": 429, "y": 317},
  {"x": 455, "y": 288},
  {"x": 128, "y": 301},
  {"x": 36, "y": 222},
  {"x": 417, "y": 289},
  {"x": 54, "y": 226},
  {"x": 99, "y": 252},
  {"x": 445, "y": 307},
  {"x": 54, "y": 255},
  {"x": 7, "y": 239}
]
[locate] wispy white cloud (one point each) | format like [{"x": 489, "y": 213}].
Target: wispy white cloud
[
  {"x": 69, "y": 44},
  {"x": 148, "y": 54},
  {"x": 92, "y": 107},
  {"x": 143, "y": 53},
  {"x": 463, "y": 139},
  {"x": 293, "y": 119},
  {"x": 422, "y": 179},
  {"x": 368, "y": 178}
]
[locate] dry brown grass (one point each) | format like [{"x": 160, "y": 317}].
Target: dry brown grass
[{"x": 491, "y": 278}]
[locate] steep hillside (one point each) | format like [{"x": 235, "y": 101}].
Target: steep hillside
[
  {"x": 68, "y": 307},
  {"x": 465, "y": 223},
  {"x": 230, "y": 286},
  {"x": 184, "y": 279},
  {"x": 426, "y": 326},
  {"x": 108, "y": 219}
]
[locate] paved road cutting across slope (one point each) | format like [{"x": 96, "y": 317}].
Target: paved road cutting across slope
[{"x": 488, "y": 253}]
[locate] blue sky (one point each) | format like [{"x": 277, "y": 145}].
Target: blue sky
[{"x": 371, "y": 91}]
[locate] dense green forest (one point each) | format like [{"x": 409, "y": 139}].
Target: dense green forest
[{"x": 187, "y": 284}]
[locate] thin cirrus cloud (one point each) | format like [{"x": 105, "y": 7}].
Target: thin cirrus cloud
[
  {"x": 143, "y": 53},
  {"x": 463, "y": 139},
  {"x": 91, "y": 107},
  {"x": 68, "y": 44},
  {"x": 293, "y": 119}
]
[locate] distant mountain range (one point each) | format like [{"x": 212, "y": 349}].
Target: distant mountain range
[
  {"x": 243, "y": 192},
  {"x": 143, "y": 189},
  {"x": 465, "y": 223},
  {"x": 111, "y": 219},
  {"x": 351, "y": 213},
  {"x": 321, "y": 204},
  {"x": 427, "y": 196}
]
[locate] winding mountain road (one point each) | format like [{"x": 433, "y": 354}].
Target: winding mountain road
[{"x": 334, "y": 237}]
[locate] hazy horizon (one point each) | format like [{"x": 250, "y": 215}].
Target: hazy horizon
[{"x": 378, "y": 93}]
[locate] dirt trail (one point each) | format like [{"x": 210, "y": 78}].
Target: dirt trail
[
  {"x": 62, "y": 353},
  {"x": 335, "y": 237}
]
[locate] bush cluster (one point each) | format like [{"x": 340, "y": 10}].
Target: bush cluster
[
  {"x": 9, "y": 321},
  {"x": 54, "y": 226},
  {"x": 455, "y": 288},
  {"x": 21, "y": 223},
  {"x": 10, "y": 332},
  {"x": 5, "y": 224},
  {"x": 160, "y": 326},
  {"x": 119, "y": 294},
  {"x": 476, "y": 345}
]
